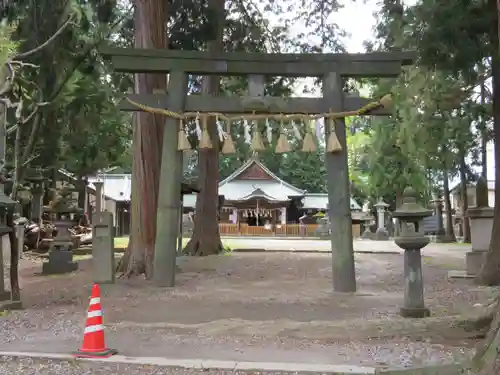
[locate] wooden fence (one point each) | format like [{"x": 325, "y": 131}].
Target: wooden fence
[{"x": 283, "y": 230}]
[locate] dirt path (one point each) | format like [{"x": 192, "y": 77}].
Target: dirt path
[{"x": 255, "y": 307}]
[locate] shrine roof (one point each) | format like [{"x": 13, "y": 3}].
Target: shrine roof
[
  {"x": 259, "y": 193},
  {"x": 237, "y": 187}
]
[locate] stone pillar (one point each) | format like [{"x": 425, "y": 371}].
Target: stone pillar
[
  {"x": 381, "y": 234},
  {"x": 283, "y": 215},
  {"x": 412, "y": 239},
  {"x": 98, "y": 195},
  {"x": 103, "y": 249},
  {"x": 37, "y": 201},
  {"x": 4, "y": 294},
  {"x": 20, "y": 239},
  {"x": 481, "y": 223}
]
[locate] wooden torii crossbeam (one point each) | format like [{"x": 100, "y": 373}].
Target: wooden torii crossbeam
[{"x": 332, "y": 68}]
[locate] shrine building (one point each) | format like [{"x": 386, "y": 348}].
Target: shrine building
[{"x": 257, "y": 202}]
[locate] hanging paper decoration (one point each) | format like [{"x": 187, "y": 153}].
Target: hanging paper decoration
[
  {"x": 333, "y": 144},
  {"x": 205, "y": 141},
  {"x": 182, "y": 139},
  {"x": 197, "y": 127},
  {"x": 282, "y": 145},
  {"x": 318, "y": 125},
  {"x": 228, "y": 146},
  {"x": 246, "y": 130},
  {"x": 269, "y": 132},
  {"x": 296, "y": 131},
  {"x": 220, "y": 130}
]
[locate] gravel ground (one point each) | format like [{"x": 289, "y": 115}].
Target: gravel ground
[{"x": 253, "y": 307}]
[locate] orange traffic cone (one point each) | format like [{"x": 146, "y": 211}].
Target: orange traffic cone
[{"x": 93, "y": 336}]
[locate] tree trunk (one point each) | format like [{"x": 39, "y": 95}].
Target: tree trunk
[
  {"x": 14, "y": 259},
  {"x": 450, "y": 233},
  {"x": 206, "y": 237},
  {"x": 465, "y": 199},
  {"x": 484, "y": 137},
  {"x": 487, "y": 358},
  {"x": 490, "y": 271},
  {"x": 150, "y": 32},
  {"x": 486, "y": 361}
]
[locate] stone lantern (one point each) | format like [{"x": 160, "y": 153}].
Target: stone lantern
[
  {"x": 367, "y": 233},
  {"x": 6, "y": 204},
  {"x": 61, "y": 254},
  {"x": 381, "y": 234},
  {"x": 36, "y": 178},
  {"x": 412, "y": 239}
]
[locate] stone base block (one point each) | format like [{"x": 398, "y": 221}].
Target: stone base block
[
  {"x": 421, "y": 312},
  {"x": 368, "y": 235},
  {"x": 443, "y": 238},
  {"x": 474, "y": 261},
  {"x": 456, "y": 274},
  {"x": 381, "y": 235},
  {"x": 60, "y": 261},
  {"x": 4, "y": 295},
  {"x": 11, "y": 305}
]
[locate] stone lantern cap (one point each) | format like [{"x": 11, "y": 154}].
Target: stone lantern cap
[
  {"x": 5, "y": 201},
  {"x": 410, "y": 209},
  {"x": 381, "y": 204}
]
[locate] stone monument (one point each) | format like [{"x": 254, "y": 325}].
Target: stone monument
[
  {"x": 61, "y": 255},
  {"x": 6, "y": 204},
  {"x": 481, "y": 227},
  {"x": 412, "y": 239},
  {"x": 441, "y": 236},
  {"x": 381, "y": 234},
  {"x": 103, "y": 249}
]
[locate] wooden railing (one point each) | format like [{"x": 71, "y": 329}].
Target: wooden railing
[{"x": 284, "y": 230}]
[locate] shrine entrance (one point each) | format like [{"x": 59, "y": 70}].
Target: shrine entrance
[{"x": 181, "y": 109}]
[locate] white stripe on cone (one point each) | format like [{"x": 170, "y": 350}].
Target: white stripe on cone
[
  {"x": 93, "y": 314},
  {"x": 95, "y": 301},
  {"x": 94, "y": 328}
]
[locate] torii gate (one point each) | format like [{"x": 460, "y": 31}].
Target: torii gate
[{"x": 332, "y": 68}]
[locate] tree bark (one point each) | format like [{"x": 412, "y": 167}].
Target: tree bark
[
  {"x": 206, "y": 237},
  {"x": 447, "y": 206},
  {"x": 14, "y": 259},
  {"x": 150, "y": 32},
  {"x": 465, "y": 199},
  {"x": 486, "y": 360},
  {"x": 490, "y": 271}
]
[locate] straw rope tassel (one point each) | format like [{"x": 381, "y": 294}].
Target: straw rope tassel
[
  {"x": 333, "y": 144},
  {"x": 257, "y": 143},
  {"x": 282, "y": 146},
  {"x": 182, "y": 139},
  {"x": 228, "y": 146},
  {"x": 309, "y": 145},
  {"x": 205, "y": 141}
]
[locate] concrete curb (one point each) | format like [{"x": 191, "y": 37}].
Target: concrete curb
[
  {"x": 210, "y": 364},
  {"x": 206, "y": 364},
  {"x": 310, "y": 251},
  {"x": 88, "y": 251}
]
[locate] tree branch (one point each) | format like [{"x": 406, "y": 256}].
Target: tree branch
[{"x": 46, "y": 43}]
